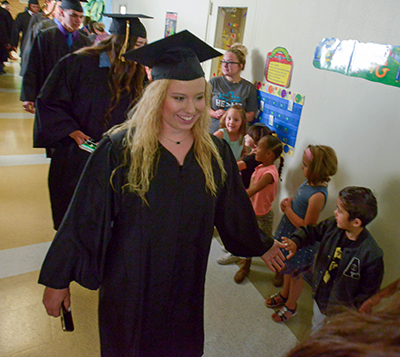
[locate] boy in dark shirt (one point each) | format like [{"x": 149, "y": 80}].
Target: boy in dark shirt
[{"x": 348, "y": 268}]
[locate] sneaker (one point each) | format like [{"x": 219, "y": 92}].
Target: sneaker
[{"x": 227, "y": 258}]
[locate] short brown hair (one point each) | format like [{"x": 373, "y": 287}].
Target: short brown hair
[{"x": 360, "y": 203}]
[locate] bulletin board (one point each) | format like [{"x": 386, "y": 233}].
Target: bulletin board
[{"x": 280, "y": 109}]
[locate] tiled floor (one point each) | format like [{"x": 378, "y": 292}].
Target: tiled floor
[{"x": 237, "y": 322}]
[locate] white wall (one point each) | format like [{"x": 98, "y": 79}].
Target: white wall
[
  {"x": 192, "y": 17},
  {"x": 358, "y": 118}
]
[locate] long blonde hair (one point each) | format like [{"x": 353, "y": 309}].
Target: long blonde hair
[{"x": 142, "y": 145}]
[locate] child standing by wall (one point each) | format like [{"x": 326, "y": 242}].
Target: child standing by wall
[
  {"x": 319, "y": 164},
  {"x": 349, "y": 264},
  {"x": 246, "y": 167},
  {"x": 233, "y": 129},
  {"x": 263, "y": 189}
]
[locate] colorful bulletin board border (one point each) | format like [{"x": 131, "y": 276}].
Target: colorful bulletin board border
[
  {"x": 280, "y": 109},
  {"x": 371, "y": 61},
  {"x": 278, "y": 67}
]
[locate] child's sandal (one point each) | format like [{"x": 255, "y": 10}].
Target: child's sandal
[
  {"x": 284, "y": 314},
  {"x": 273, "y": 301}
]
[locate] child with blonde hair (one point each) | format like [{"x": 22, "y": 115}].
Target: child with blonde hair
[{"x": 233, "y": 129}]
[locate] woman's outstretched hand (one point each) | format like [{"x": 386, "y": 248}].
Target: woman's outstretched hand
[{"x": 274, "y": 257}]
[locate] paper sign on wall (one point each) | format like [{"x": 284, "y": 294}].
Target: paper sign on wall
[
  {"x": 170, "y": 23},
  {"x": 371, "y": 61},
  {"x": 278, "y": 67}
]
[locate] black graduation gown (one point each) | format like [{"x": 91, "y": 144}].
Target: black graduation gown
[
  {"x": 37, "y": 23},
  {"x": 21, "y": 25},
  {"x": 48, "y": 48},
  {"x": 150, "y": 261},
  {"x": 75, "y": 96},
  {"x": 6, "y": 33}
]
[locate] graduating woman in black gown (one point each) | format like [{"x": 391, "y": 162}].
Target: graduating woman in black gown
[
  {"x": 140, "y": 224},
  {"x": 88, "y": 92}
]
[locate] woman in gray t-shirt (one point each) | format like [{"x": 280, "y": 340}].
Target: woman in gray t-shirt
[{"x": 231, "y": 89}]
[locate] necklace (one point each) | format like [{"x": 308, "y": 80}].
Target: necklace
[{"x": 176, "y": 142}]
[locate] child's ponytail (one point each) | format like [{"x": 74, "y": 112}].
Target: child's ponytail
[
  {"x": 276, "y": 146},
  {"x": 281, "y": 163}
]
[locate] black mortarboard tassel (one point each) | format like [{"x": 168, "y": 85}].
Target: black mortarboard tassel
[
  {"x": 119, "y": 21},
  {"x": 175, "y": 57}
]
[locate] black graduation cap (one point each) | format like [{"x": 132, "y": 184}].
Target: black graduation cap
[
  {"x": 175, "y": 57},
  {"x": 119, "y": 22},
  {"x": 72, "y": 5},
  {"x": 31, "y": 2}
]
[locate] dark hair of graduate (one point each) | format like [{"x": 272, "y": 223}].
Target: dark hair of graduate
[
  {"x": 355, "y": 334},
  {"x": 120, "y": 79},
  {"x": 360, "y": 203},
  {"x": 273, "y": 143}
]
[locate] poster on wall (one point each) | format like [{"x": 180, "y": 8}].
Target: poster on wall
[
  {"x": 278, "y": 67},
  {"x": 170, "y": 23},
  {"x": 280, "y": 109},
  {"x": 94, "y": 9},
  {"x": 371, "y": 61}
]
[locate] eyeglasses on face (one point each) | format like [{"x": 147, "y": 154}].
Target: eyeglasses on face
[{"x": 229, "y": 63}]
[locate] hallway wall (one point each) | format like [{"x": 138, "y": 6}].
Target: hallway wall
[{"x": 358, "y": 118}]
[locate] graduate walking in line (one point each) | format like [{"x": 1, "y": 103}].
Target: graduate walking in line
[
  {"x": 88, "y": 92},
  {"x": 49, "y": 47},
  {"x": 140, "y": 225}
]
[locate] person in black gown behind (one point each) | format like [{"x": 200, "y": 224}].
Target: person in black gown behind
[
  {"x": 140, "y": 224},
  {"x": 88, "y": 92},
  {"x": 48, "y": 47}
]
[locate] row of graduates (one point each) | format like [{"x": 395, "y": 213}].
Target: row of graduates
[
  {"x": 78, "y": 91},
  {"x": 6, "y": 33},
  {"x": 21, "y": 31}
]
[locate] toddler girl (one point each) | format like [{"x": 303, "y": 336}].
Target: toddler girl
[
  {"x": 249, "y": 163},
  {"x": 263, "y": 189},
  {"x": 233, "y": 128},
  {"x": 319, "y": 163}
]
